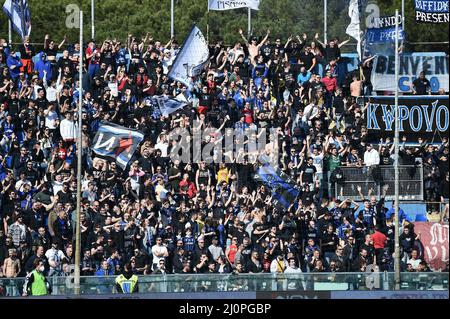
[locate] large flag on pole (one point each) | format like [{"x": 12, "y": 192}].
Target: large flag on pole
[
  {"x": 191, "y": 59},
  {"x": 284, "y": 189},
  {"x": 353, "y": 28},
  {"x": 221, "y": 5},
  {"x": 19, "y": 14},
  {"x": 116, "y": 142}
]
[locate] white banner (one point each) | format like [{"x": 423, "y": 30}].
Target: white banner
[
  {"x": 221, "y": 5},
  {"x": 353, "y": 28},
  {"x": 434, "y": 64},
  {"x": 191, "y": 59}
]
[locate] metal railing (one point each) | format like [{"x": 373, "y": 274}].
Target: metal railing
[
  {"x": 266, "y": 282},
  {"x": 410, "y": 182}
]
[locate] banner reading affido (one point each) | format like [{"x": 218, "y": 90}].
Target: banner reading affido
[
  {"x": 431, "y": 11},
  {"x": 434, "y": 64},
  {"x": 434, "y": 238},
  {"x": 426, "y": 116}
]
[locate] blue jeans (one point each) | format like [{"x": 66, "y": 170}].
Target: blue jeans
[{"x": 93, "y": 69}]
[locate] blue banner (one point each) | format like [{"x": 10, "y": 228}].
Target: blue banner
[
  {"x": 432, "y": 11},
  {"x": 437, "y": 6},
  {"x": 383, "y": 35},
  {"x": 284, "y": 189}
]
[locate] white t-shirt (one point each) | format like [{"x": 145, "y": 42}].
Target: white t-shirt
[
  {"x": 414, "y": 262},
  {"x": 57, "y": 186},
  {"x": 50, "y": 119},
  {"x": 158, "y": 250},
  {"x": 318, "y": 162},
  {"x": 55, "y": 255},
  {"x": 163, "y": 146}
]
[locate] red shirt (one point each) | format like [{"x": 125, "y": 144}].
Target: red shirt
[
  {"x": 248, "y": 114},
  {"x": 379, "y": 240},
  {"x": 330, "y": 83}
]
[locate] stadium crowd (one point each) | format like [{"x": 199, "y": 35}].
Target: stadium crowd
[{"x": 170, "y": 217}]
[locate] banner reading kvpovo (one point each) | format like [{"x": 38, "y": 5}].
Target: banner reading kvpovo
[
  {"x": 434, "y": 64},
  {"x": 222, "y": 5},
  {"x": 432, "y": 11},
  {"x": 426, "y": 116}
]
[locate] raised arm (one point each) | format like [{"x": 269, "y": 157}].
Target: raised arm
[
  {"x": 62, "y": 42},
  {"x": 316, "y": 37},
  {"x": 243, "y": 37},
  {"x": 343, "y": 43},
  {"x": 265, "y": 38}
]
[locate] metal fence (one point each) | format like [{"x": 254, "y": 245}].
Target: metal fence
[
  {"x": 191, "y": 283},
  {"x": 379, "y": 179}
]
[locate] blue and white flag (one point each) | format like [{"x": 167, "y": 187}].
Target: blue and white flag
[
  {"x": 221, "y": 5},
  {"x": 353, "y": 28},
  {"x": 19, "y": 14},
  {"x": 116, "y": 142},
  {"x": 168, "y": 105},
  {"x": 284, "y": 189},
  {"x": 191, "y": 59}
]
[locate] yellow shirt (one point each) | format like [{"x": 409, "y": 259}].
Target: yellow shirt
[{"x": 222, "y": 175}]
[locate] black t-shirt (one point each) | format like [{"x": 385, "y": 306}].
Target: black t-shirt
[
  {"x": 338, "y": 104},
  {"x": 266, "y": 52},
  {"x": 308, "y": 173},
  {"x": 307, "y": 59},
  {"x": 64, "y": 197},
  {"x": 332, "y": 53},
  {"x": 421, "y": 86}
]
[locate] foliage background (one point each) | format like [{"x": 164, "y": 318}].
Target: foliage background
[{"x": 117, "y": 18}]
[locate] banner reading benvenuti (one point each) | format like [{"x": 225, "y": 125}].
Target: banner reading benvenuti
[
  {"x": 426, "y": 116},
  {"x": 434, "y": 64},
  {"x": 434, "y": 238}
]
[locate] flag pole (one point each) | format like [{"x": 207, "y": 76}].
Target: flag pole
[
  {"x": 403, "y": 15},
  {"x": 172, "y": 19},
  {"x": 325, "y": 27},
  {"x": 249, "y": 27},
  {"x": 93, "y": 19},
  {"x": 80, "y": 149},
  {"x": 396, "y": 173},
  {"x": 10, "y": 32},
  {"x": 207, "y": 24}
]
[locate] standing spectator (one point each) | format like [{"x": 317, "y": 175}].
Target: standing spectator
[
  {"x": 421, "y": 85},
  {"x": 160, "y": 253},
  {"x": 36, "y": 283},
  {"x": 379, "y": 242}
]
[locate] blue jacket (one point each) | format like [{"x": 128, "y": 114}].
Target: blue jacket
[
  {"x": 14, "y": 61},
  {"x": 101, "y": 272},
  {"x": 258, "y": 79},
  {"x": 401, "y": 214},
  {"x": 42, "y": 66}
]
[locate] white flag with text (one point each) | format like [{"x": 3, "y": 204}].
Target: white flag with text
[
  {"x": 191, "y": 59},
  {"x": 221, "y": 5}
]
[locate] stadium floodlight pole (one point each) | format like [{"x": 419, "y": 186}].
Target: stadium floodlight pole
[
  {"x": 249, "y": 26},
  {"x": 325, "y": 27},
  {"x": 396, "y": 177},
  {"x": 172, "y": 8},
  {"x": 80, "y": 149},
  {"x": 92, "y": 19}
]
